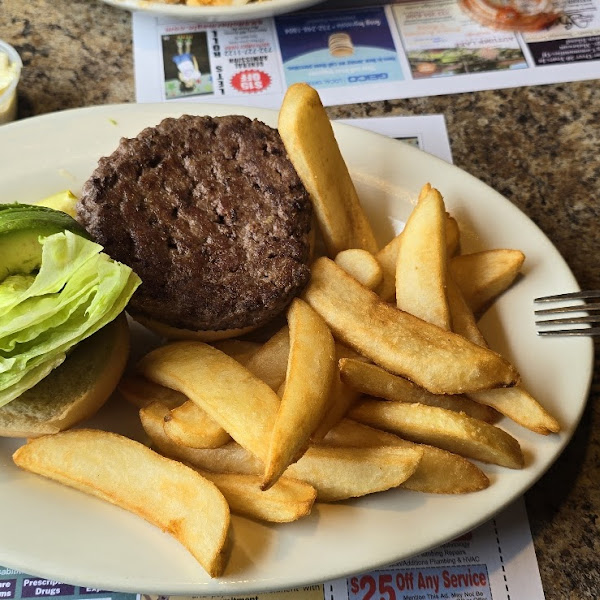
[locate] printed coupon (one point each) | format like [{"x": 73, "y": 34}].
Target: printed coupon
[
  {"x": 238, "y": 59},
  {"x": 338, "y": 49},
  {"x": 441, "y": 41}
]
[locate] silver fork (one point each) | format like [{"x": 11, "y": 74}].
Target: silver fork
[{"x": 569, "y": 307}]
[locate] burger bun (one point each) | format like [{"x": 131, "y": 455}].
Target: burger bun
[
  {"x": 175, "y": 333},
  {"x": 75, "y": 390}
]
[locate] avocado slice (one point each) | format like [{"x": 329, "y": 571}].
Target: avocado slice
[{"x": 21, "y": 226}]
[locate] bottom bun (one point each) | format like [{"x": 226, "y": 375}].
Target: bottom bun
[
  {"x": 75, "y": 390},
  {"x": 174, "y": 333}
]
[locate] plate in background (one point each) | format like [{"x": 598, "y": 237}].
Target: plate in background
[{"x": 232, "y": 12}]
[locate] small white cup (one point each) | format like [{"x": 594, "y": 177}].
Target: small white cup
[{"x": 8, "y": 95}]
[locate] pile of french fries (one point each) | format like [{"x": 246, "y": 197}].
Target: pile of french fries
[{"x": 379, "y": 378}]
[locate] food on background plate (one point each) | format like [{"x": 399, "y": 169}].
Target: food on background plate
[
  {"x": 224, "y": 245},
  {"x": 204, "y": 2},
  {"x": 61, "y": 299}
]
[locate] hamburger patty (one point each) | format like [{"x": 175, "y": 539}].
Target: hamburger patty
[{"x": 212, "y": 216}]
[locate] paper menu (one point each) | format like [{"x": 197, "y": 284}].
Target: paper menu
[{"x": 355, "y": 53}]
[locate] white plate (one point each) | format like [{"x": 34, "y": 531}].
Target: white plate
[
  {"x": 57, "y": 532},
  {"x": 233, "y": 12}
]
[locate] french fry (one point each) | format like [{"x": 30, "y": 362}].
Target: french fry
[
  {"x": 362, "y": 265},
  {"x": 141, "y": 392},
  {"x": 452, "y": 236},
  {"x": 269, "y": 362},
  {"x": 313, "y": 150},
  {"x": 446, "y": 429},
  {"x": 438, "y": 472},
  {"x": 242, "y": 404},
  {"x": 130, "y": 475},
  {"x": 342, "y": 473},
  {"x": 241, "y": 350},
  {"x": 521, "y": 407},
  {"x": 229, "y": 458},
  {"x": 387, "y": 257},
  {"x": 190, "y": 425},
  {"x": 310, "y": 372},
  {"x": 483, "y": 276},
  {"x": 439, "y": 361},
  {"x": 463, "y": 321},
  {"x": 515, "y": 403},
  {"x": 421, "y": 263},
  {"x": 286, "y": 501},
  {"x": 336, "y": 473},
  {"x": 341, "y": 396},
  {"x": 372, "y": 380}
]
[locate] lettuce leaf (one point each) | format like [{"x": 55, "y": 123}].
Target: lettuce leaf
[
  {"x": 61, "y": 257},
  {"x": 77, "y": 291}
]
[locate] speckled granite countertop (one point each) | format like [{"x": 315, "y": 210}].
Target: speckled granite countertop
[{"x": 538, "y": 146}]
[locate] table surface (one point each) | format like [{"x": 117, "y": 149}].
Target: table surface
[{"x": 538, "y": 146}]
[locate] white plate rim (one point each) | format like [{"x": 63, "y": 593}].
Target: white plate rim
[{"x": 187, "y": 579}]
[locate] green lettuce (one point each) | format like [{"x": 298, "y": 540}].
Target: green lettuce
[{"x": 77, "y": 291}]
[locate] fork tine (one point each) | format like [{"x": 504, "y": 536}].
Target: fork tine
[
  {"x": 570, "y": 320},
  {"x": 589, "y": 331},
  {"x": 582, "y": 295},
  {"x": 585, "y": 307},
  {"x": 566, "y": 309}
]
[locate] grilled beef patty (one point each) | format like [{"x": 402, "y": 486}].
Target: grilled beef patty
[{"x": 212, "y": 216}]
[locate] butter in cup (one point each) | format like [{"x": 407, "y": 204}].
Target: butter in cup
[{"x": 10, "y": 72}]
